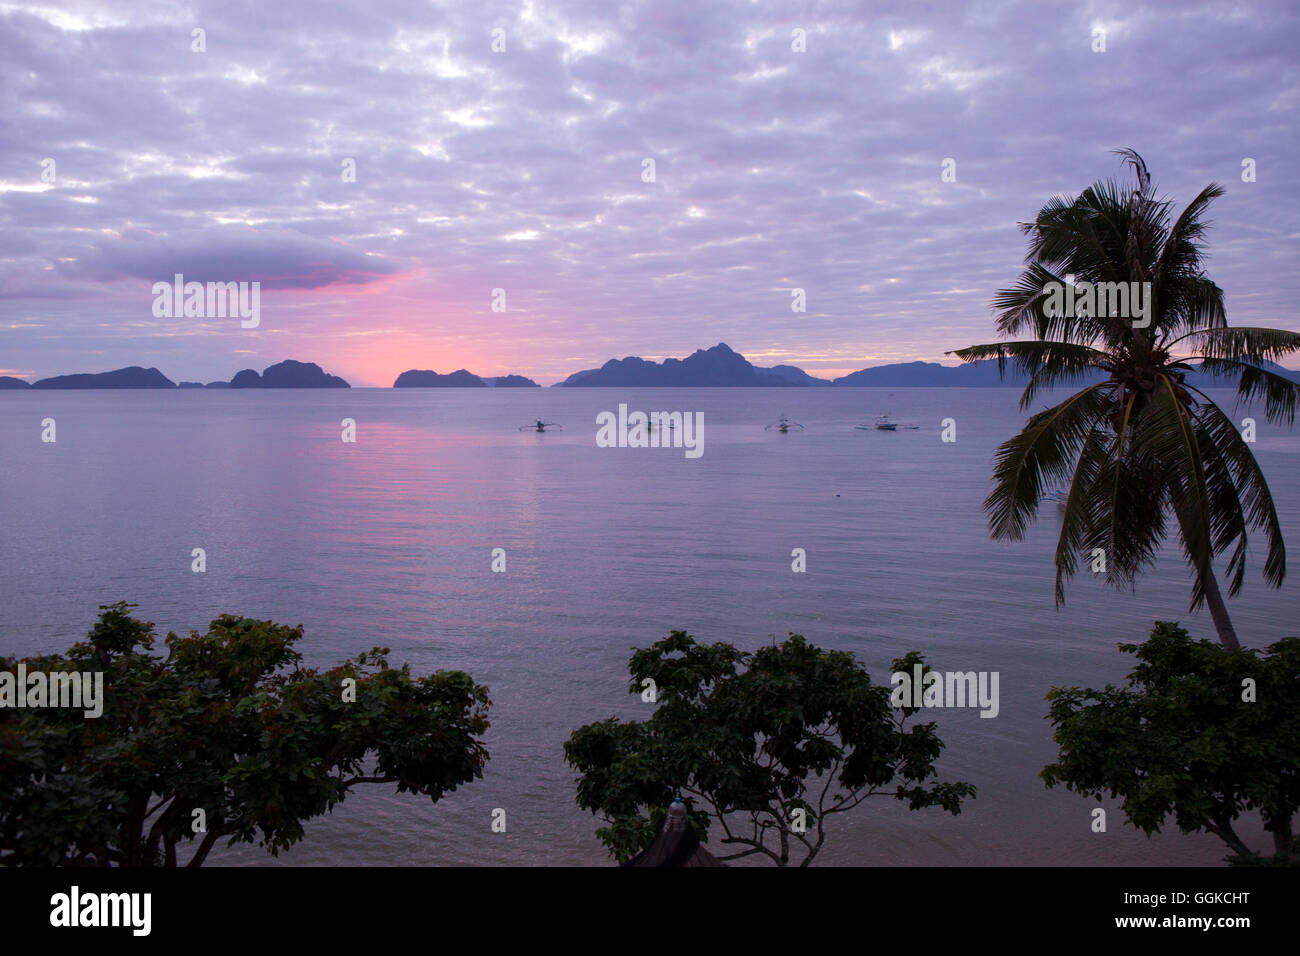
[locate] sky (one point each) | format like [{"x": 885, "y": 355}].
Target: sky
[{"x": 794, "y": 146}]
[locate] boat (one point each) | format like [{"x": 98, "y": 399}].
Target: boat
[
  {"x": 782, "y": 425},
  {"x": 886, "y": 424},
  {"x": 539, "y": 426}
]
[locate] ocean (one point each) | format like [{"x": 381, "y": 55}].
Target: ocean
[{"x": 388, "y": 541}]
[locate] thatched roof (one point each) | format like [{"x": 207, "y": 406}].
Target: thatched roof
[{"x": 677, "y": 845}]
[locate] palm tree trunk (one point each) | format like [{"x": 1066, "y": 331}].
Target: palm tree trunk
[{"x": 1219, "y": 612}]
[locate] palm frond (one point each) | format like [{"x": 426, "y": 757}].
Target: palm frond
[
  {"x": 1167, "y": 431},
  {"x": 1128, "y": 506},
  {"x": 1121, "y": 437},
  {"x": 1182, "y": 251},
  {"x": 1138, "y": 450},
  {"x": 1134, "y": 159},
  {"x": 1082, "y": 236},
  {"x": 1243, "y": 472},
  {"x": 1043, "y": 452},
  {"x": 1279, "y": 394},
  {"x": 1026, "y": 307},
  {"x": 1188, "y": 303},
  {"x": 1242, "y": 343},
  {"x": 1079, "y": 521},
  {"x": 1228, "y": 519},
  {"x": 1047, "y": 364}
]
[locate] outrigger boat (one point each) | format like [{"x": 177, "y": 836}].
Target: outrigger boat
[
  {"x": 782, "y": 425},
  {"x": 540, "y": 426},
  {"x": 885, "y": 424}
]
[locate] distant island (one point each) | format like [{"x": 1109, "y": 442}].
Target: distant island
[
  {"x": 288, "y": 374},
  {"x": 796, "y": 376},
  {"x": 511, "y": 381},
  {"x": 985, "y": 375},
  {"x": 722, "y": 367},
  {"x": 932, "y": 375},
  {"x": 717, "y": 367},
  {"x": 131, "y": 377},
  {"x": 417, "y": 378},
  {"x": 423, "y": 378}
]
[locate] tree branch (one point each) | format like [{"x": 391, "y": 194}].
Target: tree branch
[
  {"x": 205, "y": 847},
  {"x": 348, "y": 783}
]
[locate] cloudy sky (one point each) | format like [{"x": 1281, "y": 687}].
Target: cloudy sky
[{"x": 523, "y": 169}]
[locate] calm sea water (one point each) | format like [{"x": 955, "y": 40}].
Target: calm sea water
[{"x": 388, "y": 541}]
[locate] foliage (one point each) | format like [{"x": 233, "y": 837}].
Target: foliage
[
  {"x": 230, "y": 723},
  {"x": 741, "y": 736},
  {"x": 1143, "y": 443},
  {"x": 1183, "y": 740}
]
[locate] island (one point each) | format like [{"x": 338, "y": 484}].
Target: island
[
  {"x": 985, "y": 375},
  {"x": 511, "y": 381},
  {"x": 288, "y": 374},
  {"x": 797, "y": 376},
  {"x": 132, "y": 376},
  {"x": 932, "y": 375},
  {"x": 721, "y": 367},
  {"x": 424, "y": 378},
  {"x": 718, "y": 367}
]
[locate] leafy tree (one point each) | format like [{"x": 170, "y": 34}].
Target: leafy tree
[
  {"x": 229, "y": 723},
  {"x": 1143, "y": 444},
  {"x": 741, "y": 736},
  {"x": 1190, "y": 738}
]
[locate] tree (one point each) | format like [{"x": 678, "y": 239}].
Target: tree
[
  {"x": 1201, "y": 733},
  {"x": 740, "y": 736},
  {"x": 1143, "y": 443},
  {"x": 228, "y": 736}
]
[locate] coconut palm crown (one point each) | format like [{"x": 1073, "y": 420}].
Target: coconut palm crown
[{"x": 1142, "y": 450}]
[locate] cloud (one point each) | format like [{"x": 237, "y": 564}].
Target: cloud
[
  {"x": 275, "y": 258},
  {"x": 774, "y": 169}
]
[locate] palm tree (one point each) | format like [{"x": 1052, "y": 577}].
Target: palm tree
[{"x": 1141, "y": 444}]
